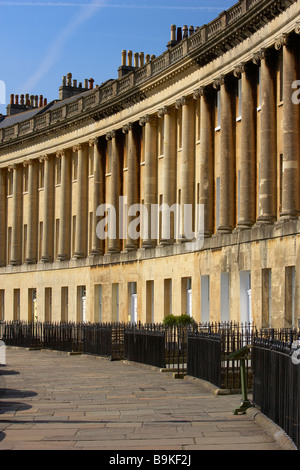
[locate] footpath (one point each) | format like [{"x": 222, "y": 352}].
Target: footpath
[{"x": 56, "y": 401}]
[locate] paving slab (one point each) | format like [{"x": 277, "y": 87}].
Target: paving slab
[{"x": 55, "y": 401}]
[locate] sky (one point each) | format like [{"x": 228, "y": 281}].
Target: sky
[{"x": 42, "y": 41}]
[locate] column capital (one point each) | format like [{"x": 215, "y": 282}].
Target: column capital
[
  {"x": 128, "y": 127},
  {"x": 146, "y": 119},
  {"x": 263, "y": 54},
  {"x": 162, "y": 111},
  {"x": 110, "y": 135},
  {"x": 218, "y": 82},
  {"x": 240, "y": 69},
  {"x": 44, "y": 158},
  {"x": 282, "y": 40},
  {"x": 60, "y": 153},
  {"x": 93, "y": 141},
  {"x": 79, "y": 146},
  {"x": 12, "y": 167}
]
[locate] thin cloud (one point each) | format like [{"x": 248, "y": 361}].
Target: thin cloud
[
  {"x": 57, "y": 45},
  {"x": 113, "y": 5}
]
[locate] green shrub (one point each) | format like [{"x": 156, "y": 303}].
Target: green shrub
[{"x": 172, "y": 320}]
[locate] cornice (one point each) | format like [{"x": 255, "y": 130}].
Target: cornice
[{"x": 211, "y": 41}]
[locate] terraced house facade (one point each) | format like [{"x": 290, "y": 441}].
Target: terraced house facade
[{"x": 211, "y": 125}]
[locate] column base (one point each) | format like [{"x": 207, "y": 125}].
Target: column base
[
  {"x": 166, "y": 242},
  {"x": 30, "y": 261},
  {"x": 244, "y": 226},
  {"x": 223, "y": 230},
  {"x": 265, "y": 221},
  {"x": 96, "y": 253},
  {"x": 14, "y": 262},
  {"x": 130, "y": 247},
  {"x": 46, "y": 259},
  {"x": 62, "y": 257},
  {"x": 289, "y": 215},
  {"x": 78, "y": 255},
  {"x": 148, "y": 244}
]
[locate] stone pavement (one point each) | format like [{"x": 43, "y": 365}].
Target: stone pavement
[{"x": 57, "y": 401}]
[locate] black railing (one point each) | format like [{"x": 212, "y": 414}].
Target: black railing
[
  {"x": 204, "y": 358},
  {"x": 145, "y": 346},
  {"x": 276, "y": 383}
]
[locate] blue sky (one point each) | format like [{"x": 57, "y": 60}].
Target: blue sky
[{"x": 43, "y": 40}]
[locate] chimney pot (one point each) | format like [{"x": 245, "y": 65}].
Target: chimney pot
[
  {"x": 69, "y": 79},
  {"x": 91, "y": 83},
  {"x": 185, "y": 31},
  {"x": 12, "y": 97},
  {"x": 129, "y": 63},
  {"x": 22, "y": 102},
  {"x": 36, "y": 101},
  {"x": 75, "y": 83},
  {"x": 32, "y": 100},
  {"x": 173, "y": 32},
  {"x": 45, "y": 101},
  {"x": 179, "y": 34},
  {"x": 86, "y": 83},
  {"x": 64, "y": 81},
  {"x": 27, "y": 100},
  {"x": 17, "y": 99},
  {"x": 136, "y": 59},
  {"x": 124, "y": 54},
  {"x": 141, "y": 59},
  {"x": 147, "y": 58},
  {"x": 41, "y": 101}
]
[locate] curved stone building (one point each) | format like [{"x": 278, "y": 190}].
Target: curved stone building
[{"x": 171, "y": 189}]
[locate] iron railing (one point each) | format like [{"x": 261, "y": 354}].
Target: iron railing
[{"x": 276, "y": 383}]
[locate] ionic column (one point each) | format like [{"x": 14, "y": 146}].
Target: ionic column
[
  {"x": 64, "y": 249},
  {"x": 206, "y": 196},
  {"x": 187, "y": 169},
  {"x": 169, "y": 175},
  {"x": 82, "y": 201},
  {"x": 268, "y": 148},
  {"x": 290, "y": 170},
  {"x": 32, "y": 225},
  {"x": 132, "y": 180},
  {"x": 247, "y": 213},
  {"x": 150, "y": 196},
  {"x": 227, "y": 156},
  {"x": 99, "y": 191},
  {"x": 3, "y": 206},
  {"x": 48, "y": 223},
  {"x": 115, "y": 192},
  {"x": 16, "y": 236}
]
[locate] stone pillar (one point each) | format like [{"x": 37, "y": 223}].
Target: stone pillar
[
  {"x": 16, "y": 235},
  {"x": 247, "y": 213},
  {"x": 64, "y": 249},
  {"x": 206, "y": 196},
  {"x": 115, "y": 192},
  {"x": 48, "y": 223},
  {"x": 187, "y": 169},
  {"x": 32, "y": 225},
  {"x": 3, "y": 210},
  {"x": 290, "y": 164},
  {"x": 227, "y": 156},
  {"x": 82, "y": 201},
  {"x": 267, "y": 199},
  {"x": 99, "y": 191},
  {"x": 169, "y": 176},
  {"x": 133, "y": 151},
  {"x": 150, "y": 196}
]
